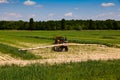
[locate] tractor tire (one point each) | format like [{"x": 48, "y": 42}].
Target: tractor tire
[
  {"x": 60, "y": 48},
  {"x": 66, "y": 48}
]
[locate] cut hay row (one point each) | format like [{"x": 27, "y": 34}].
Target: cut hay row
[
  {"x": 50, "y": 46},
  {"x": 59, "y": 61},
  {"x": 5, "y": 57},
  {"x": 75, "y": 54}
]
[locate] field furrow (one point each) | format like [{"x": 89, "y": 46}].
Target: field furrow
[{"x": 5, "y": 57}]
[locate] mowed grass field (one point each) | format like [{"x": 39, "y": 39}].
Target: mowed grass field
[
  {"x": 87, "y": 36},
  {"x": 12, "y": 40}
]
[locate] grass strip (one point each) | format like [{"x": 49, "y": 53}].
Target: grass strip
[
  {"x": 14, "y": 52},
  {"x": 90, "y": 70},
  {"x": 94, "y": 42},
  {"x": 78, "y": 41}
]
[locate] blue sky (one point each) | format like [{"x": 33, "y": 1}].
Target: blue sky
[{"x": 57, "y": 9}]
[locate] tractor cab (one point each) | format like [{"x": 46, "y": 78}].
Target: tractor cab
[
  {"x": 63, "y": 41},
  {"x": 60, "y": 40}
]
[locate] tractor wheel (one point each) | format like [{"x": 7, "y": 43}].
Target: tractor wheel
[
  {"x": 66, "y": 48},
  {"x": 60, "y": 48},
  {"x": 56, "y": 48},
  {"x": 63, "y": 48}
]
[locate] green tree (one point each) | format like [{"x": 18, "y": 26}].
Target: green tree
[
  {"x": 91, "y": 25},
  {"x": 63, "y": 24},
  {"x": 109, "y": 24},
  {"x": 31, "y": 24},
  {"x": 115, "y": 25}
]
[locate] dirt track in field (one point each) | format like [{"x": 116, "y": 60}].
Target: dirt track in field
[{"x": 81, "y": 52}]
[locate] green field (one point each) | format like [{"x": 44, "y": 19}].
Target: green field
[
  {"x": 91, "y": 70},
  {"x": 100, "y": 37},
  {"x": 12, "y": 40}
]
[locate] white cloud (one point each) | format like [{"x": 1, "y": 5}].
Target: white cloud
[
  {"x": 14, "y": 1},
  {"x": 76, "y": 8},
  {"x": 16, "y": 15},
  {"x": 105, "y": 14},
  {"x": 109, "y": 15},
  {"x": 51, "y": 15},
  {"x": 70, "y": 14},
  {"x": 3, "y": 1},
  {"x": 9, "y": 1},
  {"x": 119, "y": 9},
  {"x": 29, "y": 3},
  {"x": 118, "y": 15},
  {"x": 107, "y": 4},
  {"x": 11, "y": 16},
  {"x": 38, "y": 6},
  {"x": 32, "y": 16}
]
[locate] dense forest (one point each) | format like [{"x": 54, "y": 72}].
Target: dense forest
[{"x": 61, "y": 25}]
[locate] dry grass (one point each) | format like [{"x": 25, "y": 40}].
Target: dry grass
[
  {"x": 83, "y": 52},
  {"x": 74, "y": 51},
  {"x": 6, "y": 57}
]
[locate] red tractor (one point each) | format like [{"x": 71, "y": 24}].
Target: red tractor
[
  {"x": 63, "y": 44},
  {"x": 60, "y": 44}
]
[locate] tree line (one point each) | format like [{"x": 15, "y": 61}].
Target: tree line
[{"x": 61, "y": 25}]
